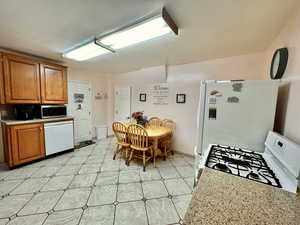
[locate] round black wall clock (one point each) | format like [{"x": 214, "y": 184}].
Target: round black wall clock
[{"x": 279, "y": 63}]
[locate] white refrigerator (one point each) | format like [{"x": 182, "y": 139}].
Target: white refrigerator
[{"x": 235, "y": 113}]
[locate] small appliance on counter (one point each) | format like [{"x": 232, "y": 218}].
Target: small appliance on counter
[
  {"x": 29, "y": 112},
  {"x": 277, "y": 166},
  {"x": 51, "y": 111},
  {"x": 24, "y": 112}
]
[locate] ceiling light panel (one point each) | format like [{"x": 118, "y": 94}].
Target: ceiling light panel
[
  {"x": 147, "y": 30},
  {"x": 150, "y": 28},
  {"x": 86, "y": 52}
]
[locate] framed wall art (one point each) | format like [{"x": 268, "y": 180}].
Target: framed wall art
[
  {"x": 180, "y": 98},
  {"x": 143, "y": 97}
]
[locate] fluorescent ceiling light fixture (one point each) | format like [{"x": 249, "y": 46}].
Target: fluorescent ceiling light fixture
[
  {"x": 150, "y": 28},
  {"x": 86, "y": 51},
  {"x": 147, "y": 29}
]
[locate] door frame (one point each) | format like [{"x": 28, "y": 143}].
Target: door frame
[
  {"x": 91, "y": 111},
  {"x": 114, "y": 91}
]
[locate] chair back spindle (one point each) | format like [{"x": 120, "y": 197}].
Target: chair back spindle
[
  {"x": 169, "y": 124},
  {"x": 138, "y": 136},
  {"x": 120, "y": 131},
  {"x": 155, "y": 121}
]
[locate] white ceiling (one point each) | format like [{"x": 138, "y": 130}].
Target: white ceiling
[{"x": 208, "y": 29}]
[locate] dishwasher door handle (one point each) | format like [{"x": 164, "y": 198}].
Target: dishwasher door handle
[{"x": 58, "y": 124}]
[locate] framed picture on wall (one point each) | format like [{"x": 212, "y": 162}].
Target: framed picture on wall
[
  {"x": 180, "y": 98},
  {"x": 143, "y": 97}
]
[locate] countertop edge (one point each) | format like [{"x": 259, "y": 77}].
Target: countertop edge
[{"x": 52, "y": 120}]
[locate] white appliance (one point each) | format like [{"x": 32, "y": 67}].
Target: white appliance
[
  {"x": 59, "y": 136},
  {"x": 278, "y": 165},
  {"x": 235, "y": 113}
]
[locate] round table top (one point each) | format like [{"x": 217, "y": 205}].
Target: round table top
[{"x": 155, "y": 132}]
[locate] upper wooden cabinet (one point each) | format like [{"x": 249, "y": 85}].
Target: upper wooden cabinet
[
  {"x": 21, "y": 80},
  {"x": 28, "y": 81},
  {"x": 53, "y": 84}
]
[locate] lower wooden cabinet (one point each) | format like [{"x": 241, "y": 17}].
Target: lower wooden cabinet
[{"x": 23, "y": 143}]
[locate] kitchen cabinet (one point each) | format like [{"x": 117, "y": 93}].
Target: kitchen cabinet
[
  {"x": 53, "y": 84},
  {"x": 24, "y": 80},
  {"x": 21, "y": 80},
  {"x": 23, "y": 143},
  {"x": 1, "y": 80}
]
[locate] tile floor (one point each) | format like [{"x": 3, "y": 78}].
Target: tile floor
[{"x": 88, "y": 187}]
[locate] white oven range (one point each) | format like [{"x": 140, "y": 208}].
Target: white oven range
[{"x": 278, "y": 165}]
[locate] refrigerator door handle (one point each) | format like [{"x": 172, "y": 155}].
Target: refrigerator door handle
[{"x": 201, "y": 117}]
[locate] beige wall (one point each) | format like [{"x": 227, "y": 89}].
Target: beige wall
[
  {"x": 181, "y": 78},
  {"x": 185, "y": 79},
  {"x": 99, "y": 83},
  {"x": 288, "y": 109}
]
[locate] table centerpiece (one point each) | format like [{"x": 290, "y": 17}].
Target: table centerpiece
[{"x": 140, "y": 118}]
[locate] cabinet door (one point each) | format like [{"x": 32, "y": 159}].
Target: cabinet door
[
  {"x": 27, "y": 143},
  {"x": 21, "y": 80},
  {"x": 2, "y": 100},
  {"x": 54, "y": 84}
]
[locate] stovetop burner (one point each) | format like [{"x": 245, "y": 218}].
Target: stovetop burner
[
  {"x": 221, "y": 167},
  {"x": 241, "y": 163}
]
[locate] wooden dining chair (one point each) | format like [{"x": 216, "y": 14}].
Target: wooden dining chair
[
  {"x": 166, "y": 142},
  {"x": 140, "y": 147},
  {"x": 120, "y": 131},
  {"x": 155, "y": 121}
]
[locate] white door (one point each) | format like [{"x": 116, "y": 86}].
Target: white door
[
  {"x": 80, "y": 108},
  {"x": 123, "y": 104}
]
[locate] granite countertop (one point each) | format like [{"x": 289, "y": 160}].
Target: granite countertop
[
  {"x": 221, "y": 198},
  {"x": 13, "y": 122}
]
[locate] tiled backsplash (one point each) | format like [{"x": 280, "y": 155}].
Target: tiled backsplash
[{"x": 6, "y": 112}]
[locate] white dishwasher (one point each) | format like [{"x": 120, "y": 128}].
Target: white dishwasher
[{"x": 59, "y": 136}]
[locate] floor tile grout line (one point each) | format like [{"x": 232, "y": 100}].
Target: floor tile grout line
[
  {"x": 176, "y": 209},
  {"x": 86, "y": 204},
  {"x": 116, "y": 198},
  {"x": 24, "y": 205},
  {"x": 184, "y": 179},
  {"x": 8, "y": 194},
  {"x": 148, "y": 221},
  {"x": 53, "y": 208}
]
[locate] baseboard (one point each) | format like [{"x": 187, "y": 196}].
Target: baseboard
[{"x": 183, "y": 153}]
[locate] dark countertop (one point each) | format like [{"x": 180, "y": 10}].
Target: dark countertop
[{"x": 221, "y": 198}]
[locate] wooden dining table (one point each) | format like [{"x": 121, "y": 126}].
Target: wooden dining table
[{"x": 155, "y": 133}]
